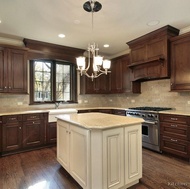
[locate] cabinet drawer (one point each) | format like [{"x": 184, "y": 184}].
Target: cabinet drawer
[
  {"x": 12, "y": 118},
  {"x": 30, "y": 117},
  {"x": 119, "y": 112},
  {"x": 175, "y": 118},
  {"x": 33, "y": 122},
  {"x": 175, "y": 146},
  {"x": 175, "y": 130}
]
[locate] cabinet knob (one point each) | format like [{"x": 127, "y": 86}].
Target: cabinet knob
[
  {"x": 5, "y": 87},
  {"x": 9, "y": 87},
  {"x": 19, "y": 127}
]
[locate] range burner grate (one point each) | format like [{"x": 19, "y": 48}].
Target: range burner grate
[{"x": 147, "y": 108}]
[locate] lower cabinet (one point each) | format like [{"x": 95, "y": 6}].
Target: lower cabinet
[
  {"x": 73, "y": 152},
  {"x": 51, "y": 133},
  {"x": 12, "y": 133},
  {"x": 175, "y": 134},
  {"x": 98, "y": 158},
  {"x": 22, "y": 132},
  {"x": 0, "y": 135}
]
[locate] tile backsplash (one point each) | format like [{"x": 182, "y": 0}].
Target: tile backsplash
[{"x": 153, "y": 93}]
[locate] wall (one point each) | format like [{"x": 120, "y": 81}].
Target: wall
[{"x": 154, "y": 93}]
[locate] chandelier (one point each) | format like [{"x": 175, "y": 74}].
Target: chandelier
[{"x": 97, "y": 61}]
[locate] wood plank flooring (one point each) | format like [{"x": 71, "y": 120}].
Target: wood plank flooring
[{"x": 40, "y": 170}]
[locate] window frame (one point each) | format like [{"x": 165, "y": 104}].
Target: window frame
[{"x": 73, "y": 79}]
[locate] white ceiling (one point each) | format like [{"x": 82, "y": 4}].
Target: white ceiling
[{"x": 118, "y": 22}]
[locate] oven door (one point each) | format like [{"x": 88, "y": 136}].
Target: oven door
[{"x": 150, "y": 132}]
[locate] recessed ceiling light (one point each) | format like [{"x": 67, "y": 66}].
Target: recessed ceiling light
[
  {"x": 153, "y": 23},
  {"x": 106, "y": 45},
  {"x": 61, "y": 35}
]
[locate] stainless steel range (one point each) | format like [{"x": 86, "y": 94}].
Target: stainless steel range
[{"x": 151, "y": 125}]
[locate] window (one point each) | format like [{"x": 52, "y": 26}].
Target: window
[{"x": 52, "y": 81}]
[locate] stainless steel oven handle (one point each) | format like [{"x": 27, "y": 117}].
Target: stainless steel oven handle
[{"x": 150, "y": 122}]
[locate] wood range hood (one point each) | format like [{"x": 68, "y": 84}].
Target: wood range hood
[{"x": 150, "y": 55}]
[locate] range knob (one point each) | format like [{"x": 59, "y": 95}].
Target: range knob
[{"x": 150, "y": 115}]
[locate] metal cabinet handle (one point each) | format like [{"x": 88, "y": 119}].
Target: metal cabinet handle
[
  {"x": 9, "y": 87},
  {"x": 174, "y": 119},
  {"x": 5, "y": 87},
  {"x": 13, "y": 118},
  {"x": 173, "y": 140},
  {"x": 33, "y": 117},
  {"x": 173, "y": 125},
  {"x": 19, "y": 127}
]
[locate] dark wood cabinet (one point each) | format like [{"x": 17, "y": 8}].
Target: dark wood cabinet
[
  {"x": 119, "y": 112},
  {"x": 150, "y": 54},
  {"x": 118, "y": 81},
  {"x": 175, "y": 134},
  {"x": 13, "y": 70},
  {"x": 12, "y": 133},
  {"x": 180, "y": 63},
  {"x": 99, "y": 85},
  {"x": 51, "y": 133},
  {"x": 34, "y": 126},
  {"x": 1, "y": 136},
  {"x": 23, "y": 132},
  {"x": 120, "y": 76}
]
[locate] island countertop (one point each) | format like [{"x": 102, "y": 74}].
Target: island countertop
[{"x": 99, "y": 120}]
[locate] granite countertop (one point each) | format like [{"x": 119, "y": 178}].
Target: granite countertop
[
  {"x": 64, "y": 110},
  {"x": 99, "y": 120},
  {"x": 176, "y": 112}
]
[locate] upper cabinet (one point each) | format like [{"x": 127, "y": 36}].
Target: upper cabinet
[
  {"x": 180, "y": 63},
  {"x": 13, "y": 70},
  {"x": 149, "y": 55},
  {"x": 120, "y": 76},
  {"x": 118, "y": 81}
]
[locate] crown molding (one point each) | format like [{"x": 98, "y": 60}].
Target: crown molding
[{"x": 184, "y": 30}]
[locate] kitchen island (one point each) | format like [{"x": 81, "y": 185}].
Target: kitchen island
[{"x": 100, "y": 151}]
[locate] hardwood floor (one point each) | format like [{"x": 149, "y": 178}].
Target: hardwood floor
[{"x": 40, "y": 170}]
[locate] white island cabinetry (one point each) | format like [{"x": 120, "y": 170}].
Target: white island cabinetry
[{"x": 100, "y": 151}]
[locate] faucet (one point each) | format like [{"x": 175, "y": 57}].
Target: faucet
[{"x": 57, "y": 105}]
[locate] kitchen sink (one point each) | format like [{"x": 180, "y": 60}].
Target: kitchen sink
[{"x": 53, "y": 113}]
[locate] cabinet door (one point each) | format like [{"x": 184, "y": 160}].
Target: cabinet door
[
  {"x": 17, "y": 71},
  {"x": 51, "y": 133},
  {"x": 33, "y": 133},
  {"x": 3, "y": 58},
  {"x": 63, "y": 144},
  {"x": 117, "y": 76},
  {"x": 12, "y": 133},
  {"x": 133, "y": 153},
  {"x": 113, "y": 158},
  {"x": 0, "y": 135},
  {"x": 180, "y": 63},
  {"x": 80, "y": 155},
  {"x": 101, "y": 84}
]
